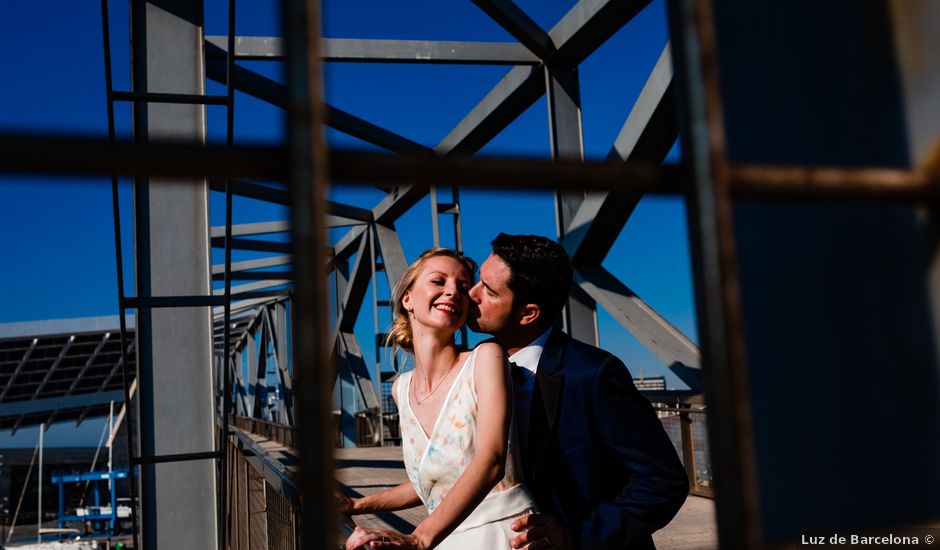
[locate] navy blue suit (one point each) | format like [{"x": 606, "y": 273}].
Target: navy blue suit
[{"x": 597, "y": 458}]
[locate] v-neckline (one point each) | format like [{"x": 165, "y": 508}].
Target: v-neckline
[{"x": 427, "y": 435}]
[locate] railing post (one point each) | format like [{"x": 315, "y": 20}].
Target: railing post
[{"x": 688, "y": 447}]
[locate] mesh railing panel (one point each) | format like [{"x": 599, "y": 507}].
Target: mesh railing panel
[
  {"x": 259, "y": 516},
  {"x": 693, "y": 422},
  {"x": 281, "y": 521},
  {"x": 703, "y": 469}
]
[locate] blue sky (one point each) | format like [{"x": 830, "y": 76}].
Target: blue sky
[{"x": 57, "y": 233}]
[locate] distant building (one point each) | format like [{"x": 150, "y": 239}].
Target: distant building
[{"x": 650, "y": 383}]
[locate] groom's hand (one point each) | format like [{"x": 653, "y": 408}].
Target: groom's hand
[{"x": 538, "y": 531}]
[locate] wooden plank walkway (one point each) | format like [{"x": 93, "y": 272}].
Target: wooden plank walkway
[{"x": 365, "y": 471}]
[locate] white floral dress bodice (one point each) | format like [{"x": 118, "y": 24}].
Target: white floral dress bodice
[{"x": 435, "y": 461}]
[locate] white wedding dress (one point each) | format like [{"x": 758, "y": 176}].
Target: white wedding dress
[{"x": 435, "y": 461}]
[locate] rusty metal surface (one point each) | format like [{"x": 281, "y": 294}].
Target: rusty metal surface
[
  {"x": 717, "y": 286},
  {"x": 833, "y": 182}
]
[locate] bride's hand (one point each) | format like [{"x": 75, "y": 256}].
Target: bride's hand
[
  {"x": 345, "y": 506},
  {"x": 380, "y": 538}
]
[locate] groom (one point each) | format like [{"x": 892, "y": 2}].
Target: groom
[{"x": 595, "y": 457}]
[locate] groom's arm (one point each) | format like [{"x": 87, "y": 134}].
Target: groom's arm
[{"x": 634, "y": 437}]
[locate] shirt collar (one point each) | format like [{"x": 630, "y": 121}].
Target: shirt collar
[{"x": 528, "y": 357}]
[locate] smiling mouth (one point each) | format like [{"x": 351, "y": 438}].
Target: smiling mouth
[{"x": 447, "y": 308}]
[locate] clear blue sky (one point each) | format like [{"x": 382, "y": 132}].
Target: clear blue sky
[{"x": 57, "y": 234}]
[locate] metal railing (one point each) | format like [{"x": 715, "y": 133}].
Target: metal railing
[
  {"x": 686, "y": 425},
  {"x": 263, "y": 509},
  {"x": 285, "y": 435},
  {"x": 263, "y": 505}
]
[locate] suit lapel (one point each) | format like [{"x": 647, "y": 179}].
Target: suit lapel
[{"x": 549, "y": 382}]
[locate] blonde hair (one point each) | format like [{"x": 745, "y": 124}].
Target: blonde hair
[{"x": 399, "y": 335}]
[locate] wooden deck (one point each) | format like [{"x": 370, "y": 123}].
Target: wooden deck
[{"x": 369, "y": 470}]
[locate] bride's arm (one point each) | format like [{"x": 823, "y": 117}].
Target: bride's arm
[
  {"x": 397, "y": 498},
  {"x": 488, "y": 465}
]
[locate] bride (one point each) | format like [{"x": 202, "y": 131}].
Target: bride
[{"x": 454, "y": 409}]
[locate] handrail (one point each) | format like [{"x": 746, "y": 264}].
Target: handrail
[
  {"x": 283, "y": 434},
  {"x": 270, "y": 468}
]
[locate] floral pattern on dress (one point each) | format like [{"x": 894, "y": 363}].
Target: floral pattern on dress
[{"x": 435, "y": 461}]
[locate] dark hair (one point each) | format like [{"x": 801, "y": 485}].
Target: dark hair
[{"x": 540, "y": 272}]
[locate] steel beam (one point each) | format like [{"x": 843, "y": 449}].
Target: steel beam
[
  {"x": 348, "y": 243},
  {"x": 178, "y": 500},
  {"x": 398, "y": 202},
  {"x": 426, "y": 51},
  {"x": 54, "y": 404},
  {"x": 253, "y": 244},
  {"x": 589, "y": 24},
  {"x": 351, "y": 356},
  {"x": 275, "y": 93},
  {"x": 242, "y": 305},
  {"x": 255, "y": 275},
  {"x": 372, "y": 133},
  {"x": 276, "y": 324},
  {"x": 383, "y": 51},
  {"x": 262, "y": 228},
  {"x": 261, "y": 48},
  {"x": 260, "y": 408},
  {"x": 652, "y": 125},
  {"x": 652, "y": 330},
  {"x": 252, "y": 191},
  {"x": 247, "y": 265},
  {"x": 511, "y": 96},
  {"x": 393, "y": 256},
  {"x": 355, "y": 289},
  {"x": 648, "y": 134},
  {"x": 517, "y": 23},
  {"x": 241, "y": 289},
  {"x": 522, "y": 86},
  {"x": 564, "y": 118},
  {"x": 241, "y": 398},
  {"x": 251, "y": 370}
]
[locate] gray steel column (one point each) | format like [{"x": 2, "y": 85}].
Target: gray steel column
[
  {"x": 178, "y": 500},
  {"x": 564, "y": 116},
  {"x": 252, "y": 370},
  {"x": 347, "y": 401}
]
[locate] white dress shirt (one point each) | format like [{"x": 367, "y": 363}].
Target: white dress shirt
[{"x": 528, "y": 359}]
